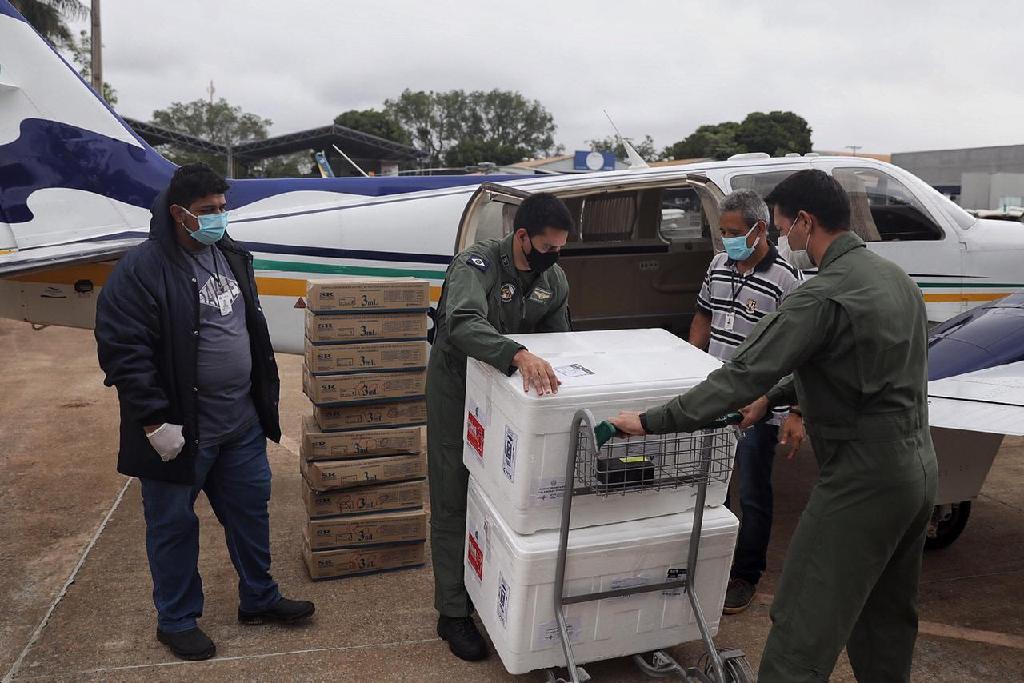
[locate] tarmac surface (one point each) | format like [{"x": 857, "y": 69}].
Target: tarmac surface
[{"x": 75, "y": 586}]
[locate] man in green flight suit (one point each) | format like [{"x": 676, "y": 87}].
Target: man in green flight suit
[
  {"x": 493, "y": 288},
  {"x": 854, "y": 338}
]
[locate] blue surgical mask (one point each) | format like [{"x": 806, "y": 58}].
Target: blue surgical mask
[
  {"x": 736, "y": 247},
  {"x": 211, "y": 227}
]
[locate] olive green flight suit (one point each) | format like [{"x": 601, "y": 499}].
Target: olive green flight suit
[
  {"x": 854, "y": 338},
  {"x": 483, "y": 298}
]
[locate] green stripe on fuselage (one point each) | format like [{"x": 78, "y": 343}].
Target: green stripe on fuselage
[{"x": 324, "y": 268}]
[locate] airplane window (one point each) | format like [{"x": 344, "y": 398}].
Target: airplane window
[
  {"x": 609, "y": 218},
  {"x": 883, "y": 209},
  {"x": 682, "y": 216}
]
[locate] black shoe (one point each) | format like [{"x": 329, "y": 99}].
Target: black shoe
[
  {"x": 284, "y": 611},
  {"x": 738, "y": 596},
  {"x": 192, "y": 645},
  {"x": 464, "y": 640}
]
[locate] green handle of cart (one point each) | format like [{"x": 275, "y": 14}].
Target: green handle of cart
[{"x": 606, "y": 430}]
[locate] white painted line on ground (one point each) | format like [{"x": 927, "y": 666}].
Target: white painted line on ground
[
  {"x": 931, "y": 628},
  {"x": 264, "y": 655},
  {"x": 67, "y": 584}
]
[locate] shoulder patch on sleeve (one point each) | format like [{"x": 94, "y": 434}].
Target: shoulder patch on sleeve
[{"x": 478, "y": 262}]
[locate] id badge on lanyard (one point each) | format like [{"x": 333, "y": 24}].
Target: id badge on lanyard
[
  {"x": 223, "y": 296},
  {"x": 729, "y": 322}
]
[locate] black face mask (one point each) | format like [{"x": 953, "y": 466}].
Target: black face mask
[{"x": 539, "y": 262}]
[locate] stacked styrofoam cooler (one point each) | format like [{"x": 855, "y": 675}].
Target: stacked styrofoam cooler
[
  {"x": 515, "y": 448},
  {"x": 363, "y": 451}
]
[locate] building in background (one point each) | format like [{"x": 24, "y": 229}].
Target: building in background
[{"x": 978, "y": 178}]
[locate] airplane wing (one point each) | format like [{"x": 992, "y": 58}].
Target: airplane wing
[
  {"x": 47, "y": 257},
  {"x": 990, "y": 401}
]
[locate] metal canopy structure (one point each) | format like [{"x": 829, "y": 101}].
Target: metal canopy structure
[{"x": 356, "y": 144}]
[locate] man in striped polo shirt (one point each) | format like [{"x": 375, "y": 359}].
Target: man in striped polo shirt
[{"x": 742, "y": 285}]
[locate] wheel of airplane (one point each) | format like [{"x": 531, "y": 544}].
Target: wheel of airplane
[{"x": 949, "y": 524}]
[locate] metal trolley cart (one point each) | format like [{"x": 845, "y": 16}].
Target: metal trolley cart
[{"x": 598, "y": 467}]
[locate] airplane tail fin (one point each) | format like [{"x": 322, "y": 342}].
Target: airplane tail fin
[{"x": 70, "y": 168}]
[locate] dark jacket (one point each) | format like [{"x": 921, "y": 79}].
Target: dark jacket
[{"x": 147, "y": 321}]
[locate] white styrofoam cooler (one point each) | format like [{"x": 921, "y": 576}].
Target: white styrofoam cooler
[
  {"x": 510, "y": 578},
  {"x": 516, "y": 444}
]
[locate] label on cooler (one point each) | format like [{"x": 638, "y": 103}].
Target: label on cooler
[
  {"x": 508, "y": 460},
  {"x": 475, "y": 555},
  {"x": 546, "y": 635},
  {"x": 475, "y": 434},
  {"x": 673, "y": 574},
  {"x": 503, "y": 600},
  {"x": 547, "y": 490},
  {"x": 627, "y": 582},
  {"x": 573, "y": 370}
]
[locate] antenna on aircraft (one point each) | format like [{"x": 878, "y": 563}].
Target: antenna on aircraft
[
  {"x": 632, "y": 156},
  {"x": 354, "y": 164}
]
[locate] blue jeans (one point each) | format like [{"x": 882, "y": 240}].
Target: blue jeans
[
  {"x": 235, "y": 475},
  {"x": 754, "y": 455}
]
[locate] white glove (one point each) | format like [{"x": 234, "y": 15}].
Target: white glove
[{"x": 167, "y": 441}]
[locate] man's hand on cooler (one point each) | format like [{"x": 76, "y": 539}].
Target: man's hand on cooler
[
  {"x": 537, "y": 373},
  {"x": 792, "y": 434},
  {"x": 754, "y": 413},
  {"x": 628, "y": 423},
  {"x": 167, "y": 440}
]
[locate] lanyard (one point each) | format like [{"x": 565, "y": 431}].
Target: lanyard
[
  {"x": 732, "y": 283},
  {"x": 215, "y": 272}
]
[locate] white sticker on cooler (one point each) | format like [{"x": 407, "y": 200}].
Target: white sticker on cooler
[
  {"x": 547, "y": 490},
  {"x": 511, "y": 448},
  {"x": 503, "y": 600},
  {"x": 546, "y": 635},
  {"x": 574, "y": 370}
]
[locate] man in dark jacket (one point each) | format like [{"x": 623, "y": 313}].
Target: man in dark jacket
[{"x": 182, "y": 337}]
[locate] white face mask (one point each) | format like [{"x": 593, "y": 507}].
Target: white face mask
[{"x": 798, "y": 258}]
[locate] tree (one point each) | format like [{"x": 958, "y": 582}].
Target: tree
[
  {"x": 707, "y": 142},
  {"x": 374, "y": 122},
  {"x": 777, "y": 133},
  {"x": 81, "y": 55},
  {"x": 50, "y": 17},
  {"x": 212, "y": 120},
  {"x": 457, "y": 127},
  {"x": 612, "y": 143}
]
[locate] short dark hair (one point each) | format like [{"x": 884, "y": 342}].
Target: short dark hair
[
  {"x": 192, "y": 182},
  {"x": 540, "y": 211},
  {"x": 815, "y": 192}
]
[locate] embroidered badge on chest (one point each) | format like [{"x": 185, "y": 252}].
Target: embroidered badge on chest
[
  {"x": 508, "y": 290},
  {"x": 540, "y": 294},
  {"x": 751, "y": 305}
]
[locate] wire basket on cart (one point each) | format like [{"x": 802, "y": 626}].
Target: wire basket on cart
[
  {"x": 600, "y": 465},
  {"x": 653, "y": 462}
]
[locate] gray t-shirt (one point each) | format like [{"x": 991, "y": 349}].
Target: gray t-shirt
[{"x": 224, "y": 369}]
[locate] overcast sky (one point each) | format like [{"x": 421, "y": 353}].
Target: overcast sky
[{"x": 889, "y": 76}]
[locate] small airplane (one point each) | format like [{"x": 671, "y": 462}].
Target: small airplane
[{"x": 76, "y": 186}]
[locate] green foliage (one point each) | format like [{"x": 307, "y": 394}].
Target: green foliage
[
  {"x": 213, "y": 120},
  {"x": 777, "y": 133},
  {"x": 81, "y": 55},
  {"x": 50, "y": 17},
  {"x": 645, "y": 148},
  {"x": 462, "y": 128},
  {"x": 374, "y": 122}
]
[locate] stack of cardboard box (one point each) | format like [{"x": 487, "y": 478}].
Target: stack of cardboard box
[{"x": 363, "y": 451}]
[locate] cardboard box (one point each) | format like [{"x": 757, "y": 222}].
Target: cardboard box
[
  {"x": 389, "y": 497},
  {"x": 331, "y": 564},
  {"x": 320, "y": 445},
  {"x": 370, "y": 529},
  {"x": 364, "y": 387},
  {"x": 325, "y": 359},
  {"x": 325, "y": 475},
  {"x": 365, "y": 327},
  {"x": 367, "y": 294},
  {"x": 342, "y": 418}
]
